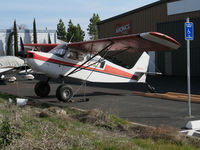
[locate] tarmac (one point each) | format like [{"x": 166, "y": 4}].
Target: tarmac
[{"x": 119, "y": 99}]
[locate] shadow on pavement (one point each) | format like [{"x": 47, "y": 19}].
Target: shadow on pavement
[
  {"x": 162, "y": 84},
  {"x": 165, "y": 84}
]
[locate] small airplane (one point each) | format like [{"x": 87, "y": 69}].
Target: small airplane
[
  {"x": 87, "y": 60},
  {"x": 9, "y": 66}
]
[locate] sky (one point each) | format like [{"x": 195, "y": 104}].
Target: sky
[{"x": 48, "y": 12}]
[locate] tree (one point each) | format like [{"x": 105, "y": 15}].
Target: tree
[
  {"x": 9, "y": 44},
  {"x": 92, "y": 27},
  {"x": 74, "y": 33},
  {"x": 71, "y": 31},
  {"x": 79, "y": 33},
  {"x": 61, "y": 31},
  {"x": 34, "y": 32},
  {"x": 15, "y": 38}
]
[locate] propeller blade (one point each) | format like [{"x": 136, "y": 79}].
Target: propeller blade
[
  {"x": 21, "y": 44},
  {"x": 22, "y": 53}
]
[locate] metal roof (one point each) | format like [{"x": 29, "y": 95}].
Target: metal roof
[{"x": 132, "y": 11}]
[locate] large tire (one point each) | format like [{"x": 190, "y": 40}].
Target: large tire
[
  {"x": 64, "y": 93},
  {"x": 42, "y": 89}
]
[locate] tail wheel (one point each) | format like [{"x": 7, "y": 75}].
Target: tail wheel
[
  {"x": 64, "y": 93},
  {"x": 42, "y": 89}
]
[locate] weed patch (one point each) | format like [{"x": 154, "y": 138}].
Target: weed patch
[
  {"x": 7, "y": 133},
  {"x": 52, "y": 128}
]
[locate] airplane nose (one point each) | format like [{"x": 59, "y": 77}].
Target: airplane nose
[
  {"x": 31, "y": 61},
  {"x": 30, "y": 54}
]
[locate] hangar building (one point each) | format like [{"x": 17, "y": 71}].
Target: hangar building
[{"x": 168, "y": 17}]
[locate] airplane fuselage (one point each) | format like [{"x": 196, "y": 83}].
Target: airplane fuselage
[{"x": 95, "y": 70}]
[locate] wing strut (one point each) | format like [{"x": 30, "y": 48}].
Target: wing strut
[{"x": 104, "y": 49}]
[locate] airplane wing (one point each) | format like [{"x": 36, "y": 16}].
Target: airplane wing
[
  {"x": 41, "y": 47},
  {"x": 2, "y": 70},
  {"x": 149, "y": 41},
  {"x": 10, "y": 62}
]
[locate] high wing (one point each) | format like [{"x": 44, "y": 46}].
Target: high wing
[
  {"x": 41, "y": 47},
  {"x": 149, "y": 41}
]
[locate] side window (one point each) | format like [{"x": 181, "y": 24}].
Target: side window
[
  {"x": 81, "y": 56},
  {"x": 73, "y": 55},
  {"x": 76, "y": 55},
  {"x": 102, "y": 64}
]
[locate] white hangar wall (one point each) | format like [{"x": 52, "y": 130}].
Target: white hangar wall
[{"x": 27, "y": 37}]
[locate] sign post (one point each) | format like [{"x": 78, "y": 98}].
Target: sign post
[{"x": 188, "y": 36}]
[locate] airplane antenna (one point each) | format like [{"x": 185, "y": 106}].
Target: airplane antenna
[{"x": 71, "y": 38}]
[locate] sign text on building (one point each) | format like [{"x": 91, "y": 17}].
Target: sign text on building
[{"x": 123, "y": 28}]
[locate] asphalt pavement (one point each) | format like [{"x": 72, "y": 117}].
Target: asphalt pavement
[{"x": 118, "y": 99}]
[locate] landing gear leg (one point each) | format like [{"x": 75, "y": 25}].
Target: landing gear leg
[
  {"x": 64, "y": 93},
  {"x": 42, "y": 88}
]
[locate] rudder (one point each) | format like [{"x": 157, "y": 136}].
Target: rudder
[{"x": 141, "y": 66}]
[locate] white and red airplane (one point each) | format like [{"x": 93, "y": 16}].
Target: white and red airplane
[{"x": 86, "y": 60}]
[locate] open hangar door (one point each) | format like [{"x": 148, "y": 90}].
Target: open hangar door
[{"x": 175, "y": 63}]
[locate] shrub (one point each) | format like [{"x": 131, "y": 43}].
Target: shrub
[{"x": 6, "y": 134}]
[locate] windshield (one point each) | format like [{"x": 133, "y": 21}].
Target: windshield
[{"x": 59, "y": 50}]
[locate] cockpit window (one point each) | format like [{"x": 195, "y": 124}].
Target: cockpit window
[
  {"x": 59, "y": 50},
  {"x": 63, "y": 51}
]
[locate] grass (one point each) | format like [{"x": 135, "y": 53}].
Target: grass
[
  {"x": 161, "y": 145},
  {"x": 52, "y": 128},
  {"x": 5, "y": 96}
]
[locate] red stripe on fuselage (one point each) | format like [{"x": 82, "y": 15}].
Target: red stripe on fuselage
[
  {"x": 118, "y": 72},
  {"x": 108, "y": 69}
]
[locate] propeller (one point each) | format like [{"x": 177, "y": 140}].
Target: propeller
[{"x": 22, "y": 53}]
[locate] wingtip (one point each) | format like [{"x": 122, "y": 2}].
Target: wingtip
[
  {"x": 166, "y": 37},
  {"x": 161, "y": 39}
]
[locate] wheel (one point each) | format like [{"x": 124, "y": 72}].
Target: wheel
[
  {"x": 64, "y": 93},
  {"x": 42, "y": 89}
]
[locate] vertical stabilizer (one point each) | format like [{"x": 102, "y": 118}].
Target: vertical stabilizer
[{"x": 141, "y": 66}]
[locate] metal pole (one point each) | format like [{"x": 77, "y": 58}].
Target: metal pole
[{"x": 188, "y": 74}]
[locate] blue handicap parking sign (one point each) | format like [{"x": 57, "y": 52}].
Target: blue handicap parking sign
[{"x": 189, "y": 33}]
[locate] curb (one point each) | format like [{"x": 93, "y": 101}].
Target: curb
[{"x": 171, "y": 96}]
